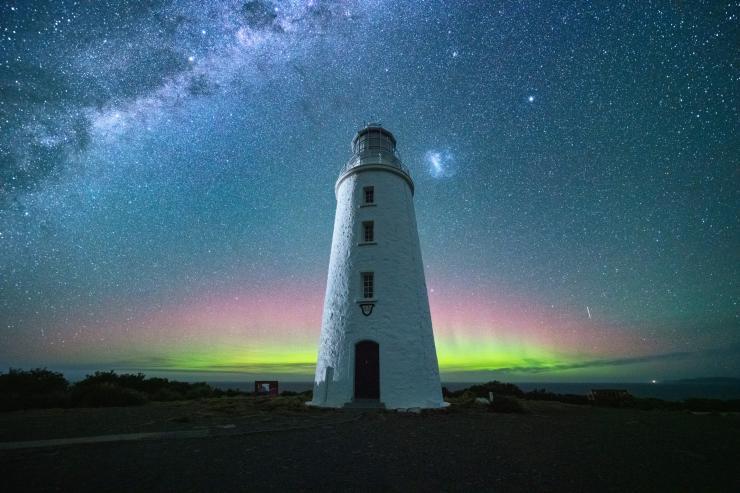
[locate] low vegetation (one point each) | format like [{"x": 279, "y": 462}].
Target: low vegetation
[
  {"x": 287, "y": 401},
  {"x": 39, "y": 388},
  {"x": 483, "y": 390},
  {"x": 544, "y": 395},
  {"x": 505, "y": 404},
  {"x": 510, "y": 397},
  {"x": 42, "y": 388}
]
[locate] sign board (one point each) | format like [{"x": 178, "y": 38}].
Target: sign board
[{"x": 266, "y": 387}]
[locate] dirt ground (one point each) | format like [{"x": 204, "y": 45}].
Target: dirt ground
[{"x": 247, "y": 444}]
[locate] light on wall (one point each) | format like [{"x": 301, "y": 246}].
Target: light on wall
[{"x": 367, "y": 308}]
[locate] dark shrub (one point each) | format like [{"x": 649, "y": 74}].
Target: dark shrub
[
  {"x": 155, "y": 389},
  {"x": 733, "y": 405},
  {"x": 200, "y": 390},
  {"x": 106, "y": 394},
  {"x": 464, "y": 399},
  {"x": 41, "y": 388},
  {"x": 498, "y": 388},
  {"x": 229, "y": 393},
  {"x": 99, "y": 377},
  {"x": 285, "y": 404},
  {"x": 136, "y": 382},
  {"x": 505, "y": 404},
  {"x": 154, "y": 385},
  {"x": 651, "y": 403},
  {"x": 38, "y": 388},
  {"x": 712, "y": 405},
  {"x": 36, "y": 381},
  {"x": 544, "y": 395},
  {"x": 166, "y": 394}
]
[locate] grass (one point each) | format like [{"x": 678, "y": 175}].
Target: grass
[{"x": 42, "y": 388}]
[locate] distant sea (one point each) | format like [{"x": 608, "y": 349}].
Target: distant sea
[{"x": 669, "y": 391}]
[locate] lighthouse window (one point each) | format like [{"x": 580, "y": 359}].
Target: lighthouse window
[
  {"x": 369, "y": 195},
  {"x": 368, "y": 284},
  {"x": 368, "y": 231}
]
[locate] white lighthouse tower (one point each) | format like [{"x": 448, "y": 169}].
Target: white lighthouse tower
[{"x": 377, "y": 344}]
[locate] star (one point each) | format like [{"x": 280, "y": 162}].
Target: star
[{"x": 167, "y": 158}]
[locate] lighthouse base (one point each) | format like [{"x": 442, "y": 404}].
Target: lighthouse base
[
  {"x": 375, "y": 404},
  {"x": 364, "y": 404}
]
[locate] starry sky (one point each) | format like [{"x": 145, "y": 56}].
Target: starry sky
[{"x": 167, "y": 173}]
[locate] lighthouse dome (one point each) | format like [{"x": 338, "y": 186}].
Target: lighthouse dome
[
  {"x": 373, "y": 137},
  {"x": 374, "y": 146}
]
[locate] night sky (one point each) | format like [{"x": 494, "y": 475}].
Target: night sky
[{"x": 167, "y": 173}]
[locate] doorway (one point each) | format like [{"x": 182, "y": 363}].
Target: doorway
[{"x": 367, "y": 370}]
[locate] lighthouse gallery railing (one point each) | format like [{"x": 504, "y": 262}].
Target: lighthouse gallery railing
[{"x": 375, "y": 157}]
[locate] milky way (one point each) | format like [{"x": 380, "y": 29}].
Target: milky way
[{"x": 167, "y": 171}]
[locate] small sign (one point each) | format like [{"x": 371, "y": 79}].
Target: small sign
[{"x": 266, "y": 387}]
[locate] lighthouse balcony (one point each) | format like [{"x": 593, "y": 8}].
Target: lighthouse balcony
[{"x": 376, "y": 157}]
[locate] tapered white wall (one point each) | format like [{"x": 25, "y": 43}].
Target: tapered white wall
[{"x": 400, "y": 322}]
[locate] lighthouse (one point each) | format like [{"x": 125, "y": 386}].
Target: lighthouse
[{"x": 377, "y": 346}]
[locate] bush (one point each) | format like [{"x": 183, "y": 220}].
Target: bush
[
  {"x": 41, "y": 388},
  {"x": 482, "y": 390},
  {"x": 200, "y": 390},
  {"x": 544, "y": 395},
  {"x": 155, "y": 389},
  {"x": 462, "y": 400},
  {"x": 165, "y": 395},
  {"x": 712, "y": 405},
  {"x": 651, "y": 403},
  {"x": 37, "y": 388},
  {"x": 498, "y": 388},
  {"x": 106, "y": 394},
  {"x": 230, "y": 393},
  {"x": 505, "y": 404},
  {"x": 292, "y": 403}
]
